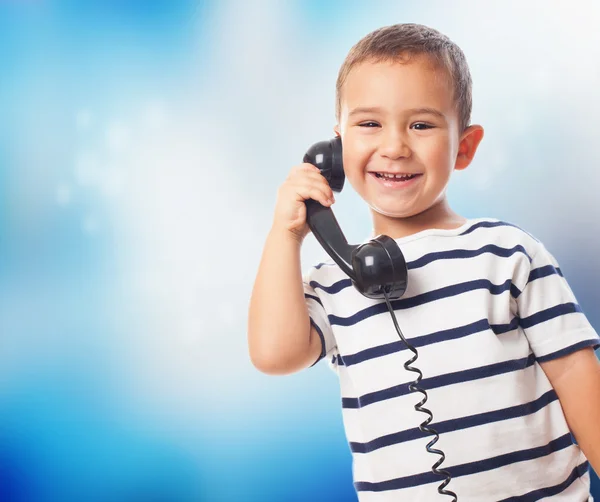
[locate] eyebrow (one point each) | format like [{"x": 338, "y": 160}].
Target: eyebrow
[{"x": 431, "y": 111}]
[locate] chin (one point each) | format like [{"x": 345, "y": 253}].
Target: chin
[{"x": 391, "y": 212}]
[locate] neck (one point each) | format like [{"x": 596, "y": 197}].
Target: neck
[{"x": 437, "y": 216}]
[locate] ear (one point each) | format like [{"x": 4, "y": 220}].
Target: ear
[
  {"x": 469, "y": 141},
  {"x": 336, "y": 130}
]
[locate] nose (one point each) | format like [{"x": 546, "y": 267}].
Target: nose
[{"x": 394, "y": 145}]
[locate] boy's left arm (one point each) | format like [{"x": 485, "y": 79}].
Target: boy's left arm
[{"x": 576, "y": 380}]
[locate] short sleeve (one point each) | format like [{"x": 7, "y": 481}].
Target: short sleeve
[
  {"x": 318, "y": 316},
  {"x": 550, "y": 316}
]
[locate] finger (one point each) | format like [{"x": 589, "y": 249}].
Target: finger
[
  {"x": 305, "y": 171},
  {"x": 317, "y": 193},
  {"x": 310, "y": 167},
  {"x": 313, "y": 178}
]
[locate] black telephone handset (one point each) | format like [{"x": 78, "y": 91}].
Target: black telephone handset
[{"x": 376, "y": 268}]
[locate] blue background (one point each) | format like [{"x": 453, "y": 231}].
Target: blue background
[{"x": 141, "y": 147}]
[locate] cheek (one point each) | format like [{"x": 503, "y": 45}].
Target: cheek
[
  {"x": 439, "y": 153},
  {"x": 354, "y": 168},
  {"x": 357, "y": 151}
]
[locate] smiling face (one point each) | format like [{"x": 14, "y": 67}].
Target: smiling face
[{"x": 400, "y": 133}]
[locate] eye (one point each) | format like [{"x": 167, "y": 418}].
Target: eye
[
  {"x": 369, "y": 124},
  {"x": 422, "y": 126}
]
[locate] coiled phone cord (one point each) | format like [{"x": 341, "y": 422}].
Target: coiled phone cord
[{"x": 424, "y": 427}]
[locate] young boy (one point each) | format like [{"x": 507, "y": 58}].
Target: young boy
[{"x": 506, "y": 353}]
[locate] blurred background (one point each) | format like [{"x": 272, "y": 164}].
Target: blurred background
[{"x": 141, "y": 147}]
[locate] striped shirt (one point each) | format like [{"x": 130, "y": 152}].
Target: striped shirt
[{"x": 485, "y": 304}]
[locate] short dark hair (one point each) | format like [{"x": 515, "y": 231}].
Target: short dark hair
[{"x": 399, "y": 41}]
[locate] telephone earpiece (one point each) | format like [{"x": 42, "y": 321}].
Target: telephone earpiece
[
  {"x": 327, "y": 156},
  {"x": 374, "y": 267}
]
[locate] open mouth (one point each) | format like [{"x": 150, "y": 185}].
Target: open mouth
[{"x": 395, "y": 177}]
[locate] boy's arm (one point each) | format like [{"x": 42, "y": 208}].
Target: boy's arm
[
  {"x": 576, "y": 380},
  {"x": 281, "y": 339}
]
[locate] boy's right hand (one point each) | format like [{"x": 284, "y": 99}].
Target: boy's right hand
[{"x": 305, "y": 181}]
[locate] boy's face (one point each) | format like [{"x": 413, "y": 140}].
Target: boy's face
[{"x": 400, "y": 118}]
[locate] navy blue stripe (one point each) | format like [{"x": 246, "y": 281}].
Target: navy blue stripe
[
  {"x": 538, "y": 273},
  {"x": 468, "y": 468},
  {"x": 373, "y": 353},
  {"x": 322, "y": 355},
  {"x": 429, "y": 339},
  {"x": 466, "y": 253},
  {"x": 431, "y": 257},
  {"x": 488, "y": 224},
  {"x": 500, "y": 329},
  {"x": 457, "y": 424},
  {"x": 322, "y": 264},
  {"x": 430, "y": 296},
  {"x": 550, "y": 313},
  {"x": 336, "y": 287},
  {"x": 514, "y": 291},
  {"x": 594, "y": 343},
  {"x": 485, "y": 224},
  {"x": 421, "y": 341},
  {"x": 492, "y": 224},
  {"x": 312, "y": 297},
  {"x": 440, "y": 381},
  {"x": 542, "y": 493}
]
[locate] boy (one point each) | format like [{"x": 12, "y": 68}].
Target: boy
[{"x": 507, "y": 355}]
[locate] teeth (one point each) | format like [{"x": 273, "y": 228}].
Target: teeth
[{"x": 395, "y": 176}]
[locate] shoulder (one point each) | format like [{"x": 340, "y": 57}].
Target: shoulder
[
  {"x": 502, "y": 233},
  {"x": 322, "y": 273},
  {"x": 320, "y": 268},
  {"x": 495, "y": 227}
]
